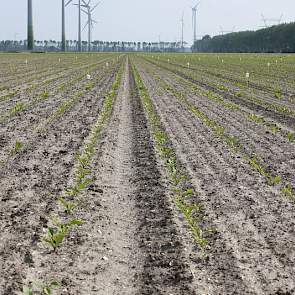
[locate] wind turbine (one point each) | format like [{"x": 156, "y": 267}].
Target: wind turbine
[
  {"x": 90, "y": 21},
  {"x": 63, "y": 25},
  {"x": 194, "y": 21},
  {"x": 30, "y": 26},
  {"x": 182, "y": 28},
  {"x": 79, "y": 25}
]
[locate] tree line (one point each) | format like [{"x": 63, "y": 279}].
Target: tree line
[
  {"x": 275, "y": 39},
  {"x": 96, "y": 46}
]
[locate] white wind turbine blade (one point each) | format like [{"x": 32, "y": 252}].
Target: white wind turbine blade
[
  {"x": 68, "y": 2},
  {"x": 94, "y": 6},
  {"x": 86, "y": 12},
  {"x": 85, "y": 25},
  {"x": 196, "y": 6}
]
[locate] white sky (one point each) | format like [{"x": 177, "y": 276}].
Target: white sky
[{"x": 142, "y": 20}]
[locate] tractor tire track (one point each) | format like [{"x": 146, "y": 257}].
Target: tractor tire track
[{"x": 129, "y": 244}]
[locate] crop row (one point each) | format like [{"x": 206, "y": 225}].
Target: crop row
[
  {"x": 232, "y": 106},
  {"x": 61, "y": 224},
  {"x": 20, "y": 146},
  {"x": 46, "y": 94},
  {"x": 53, "y": 77},
  {"x": 269, "y": 74},
  {"x": 33, "y": 75},
  {"x": 225, "y": 90},
  {"x": 183, "y": 192},
  {"x": 36, "y": 68},
  {"x": 233, "y": 142}
]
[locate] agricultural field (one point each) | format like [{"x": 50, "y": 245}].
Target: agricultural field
[{"x": 147, "y": 174}]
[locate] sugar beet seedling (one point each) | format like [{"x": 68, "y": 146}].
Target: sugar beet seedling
[
  {"x": 55, "y": 236},
  {"x": 43, "y": 289}
]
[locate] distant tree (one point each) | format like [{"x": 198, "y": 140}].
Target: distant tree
[{"x": 280, "y": 38}]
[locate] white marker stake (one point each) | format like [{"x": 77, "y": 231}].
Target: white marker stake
[
  {"x": 188, "y": 64},
  {"x": 248, "y": 77},
  {"x": 88, "y": 77},
  {"x": 26, "y": 61}
]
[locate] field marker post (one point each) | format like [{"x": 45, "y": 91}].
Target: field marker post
[{"x": 248, "y": 77}]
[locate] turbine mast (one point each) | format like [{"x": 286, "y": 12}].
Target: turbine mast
[
  {"x": 194, "y": 11},
  {"x": 79, "y": 27},
  {"x": 30, "y": 32},
  {"x": 63, "y": 34},
  {"x": 182, "y": 29},
  {"x": 89, "y": 29},
  {"x": 195, "y": 24},
  {"x": 90, "y": 21}
]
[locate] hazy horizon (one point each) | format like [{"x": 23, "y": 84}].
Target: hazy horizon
[{"x": 136, "y": 20}]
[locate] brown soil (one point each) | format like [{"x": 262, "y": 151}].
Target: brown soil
[
  {"x": 134, "y": 241},
  {"x": 253, "y": 252}
]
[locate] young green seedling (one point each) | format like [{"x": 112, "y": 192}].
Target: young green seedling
[
  {"x": 28, "y": 291},
  {"x": 17, "y": 147},
  {"x": 291, "y": 137},
  {"x": 287, "y": 191},
  {"x": 45, "y": 94},
  {"x": 40, "y": 288},
  {"x": 55, "y": 236},
  {"x": 20, "y": 106},
  {"x": 47, "y": 289},
  {"x": 69, "y": 207}
]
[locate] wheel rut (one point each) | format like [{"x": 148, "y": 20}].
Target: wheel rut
[{"x": 141, "y": 250}]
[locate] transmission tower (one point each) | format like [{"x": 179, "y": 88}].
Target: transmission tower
[{"x": 268, "y": 22}]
